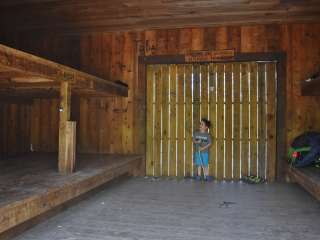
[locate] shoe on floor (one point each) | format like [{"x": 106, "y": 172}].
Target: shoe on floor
[
  {"x": 209, "y": 179},
  {"x": 197, "y": 178},
  {"x": 252, "y": 179}
]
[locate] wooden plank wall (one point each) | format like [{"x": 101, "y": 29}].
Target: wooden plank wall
[
  {"x": 15, "y": 122},
  {"x": 114, "y": 55},
  {"x": 44, "y": 125},
  {"x": 113, "y": 124}
]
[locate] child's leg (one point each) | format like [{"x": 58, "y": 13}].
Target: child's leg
[
  {"x": 199, "y": 170},
  {"x": 205, "y": 162},
  {"x": 206, "y": 171}
]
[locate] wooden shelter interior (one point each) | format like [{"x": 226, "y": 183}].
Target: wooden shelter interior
[{"x": 79, "y": 100}]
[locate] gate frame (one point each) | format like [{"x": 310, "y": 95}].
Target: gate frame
[{"x": 281, "y": 61}]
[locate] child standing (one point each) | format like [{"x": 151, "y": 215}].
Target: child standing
[{"x": 202, "y": 142}]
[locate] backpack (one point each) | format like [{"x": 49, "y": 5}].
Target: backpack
[{"x": 305, "y": 149}]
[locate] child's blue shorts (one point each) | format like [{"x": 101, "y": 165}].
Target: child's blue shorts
[{"x": 201, "y": 156}]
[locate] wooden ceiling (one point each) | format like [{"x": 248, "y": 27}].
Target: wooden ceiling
[{"x": 74, "y": 16}]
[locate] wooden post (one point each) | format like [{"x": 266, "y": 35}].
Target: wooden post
[{"x": 66, "y": 131}]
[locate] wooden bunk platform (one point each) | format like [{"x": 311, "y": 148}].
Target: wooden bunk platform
[
  {"x": 26, "y": 75},
  {"x": 30, "y": 185},
  {"x": 308, "y": 178}
]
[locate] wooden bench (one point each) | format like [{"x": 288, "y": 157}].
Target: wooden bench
[{"x": 308, "y": 178}]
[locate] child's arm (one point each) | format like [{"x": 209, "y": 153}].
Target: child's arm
[
  {"x": 205, "y": 147},
  {"x": 196, "y": 141}
]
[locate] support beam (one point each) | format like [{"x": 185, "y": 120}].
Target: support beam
[{"x": 66, "y": 131}]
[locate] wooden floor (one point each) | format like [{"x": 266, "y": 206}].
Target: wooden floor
[
  {"x": 145, "y": 208},
  {"x": 30, "y": 185}
]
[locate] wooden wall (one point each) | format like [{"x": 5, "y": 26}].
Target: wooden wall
[
  {"x": 14, "y": 129},
  {"x": 118, "y": 124},
  {"x": 44, "y": 125}
]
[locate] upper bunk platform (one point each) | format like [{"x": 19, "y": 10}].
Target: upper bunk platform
[{"x": 23, "y": 74}]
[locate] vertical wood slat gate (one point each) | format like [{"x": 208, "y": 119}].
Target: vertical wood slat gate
[{"x": 240, "y": 101}]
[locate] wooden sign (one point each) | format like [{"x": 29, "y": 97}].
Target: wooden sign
[{"x": 209, "y": 56}]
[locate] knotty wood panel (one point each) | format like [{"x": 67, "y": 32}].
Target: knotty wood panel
[
  {"x": 228, "y": 122},
  {"x": 150, "y": 119},
  {"x": 262, "y": 127},
  {"x": 15, "y": 129},
  {"x": 253, "y": 118},
  {"x": 244, "y": 120},
  {"x": 165, "y": 118},
  {"x": 174, "y": 107},
  {"x": 204, "y": 91},
  {"x": 236, "y": 121},
  {"x": 196, "y": 95},
  {"x": 271, "y": 121},
  {"x": 188, "y": 121},
  {"x": 212, "y": 118},
  {"x": 220, "y": 121},
  {"x": 181, "y": 122},
  {"x": 157, "y": 121}
]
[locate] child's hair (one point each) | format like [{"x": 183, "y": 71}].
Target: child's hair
[{"x": 206, "y": 122}]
